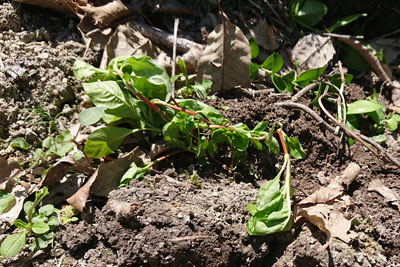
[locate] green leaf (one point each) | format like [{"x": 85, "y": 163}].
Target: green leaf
[
  {"x": 43, "y": 241},
  {"x": 115, "y": 100},
  {"x": 47, "y": 210},
  {"x": 278, "y": 82},
  {"x": 295, "y": 148},
  {"x": 344, "y": 21},
  {"x": 261, "y": 126},
  {"x": 83, "y": 70},
  {"x": 27, "y": 206},
  {"x": 379, "y": 138},
  {"x": 20, "y": 143},
  {"x": 393, "y": 122},
  {"x": 309, "y": 12},
  {"x": 105, "y": 141},
  {"x": 21, "y": 224},
  {"x": 40, "y": 228},
  {"x": 353, "y": 60},
  {"x": 273, "y": 63},
  {"x": 7, "y": 201},
  {"x": 60, "y": 145},
  {"x": 202, "y": 88},
  {"x": 134, "y": 172},
  {"x": 12, "y": 244},
  {"x": 53, "y": 221},
  {"x": 253, "y": 47},
  {"x": 362, "y": 107},
  {"x": 289, "y": 79},
  {"x": 91, "y": 115},
  {"x": 254, "y": 71},
  {"x": 308, "y": 76}
]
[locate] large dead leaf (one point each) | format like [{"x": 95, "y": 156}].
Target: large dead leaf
[
  {"x": 226, "y": 59},
  {"x": 58, "y": 5},
  {"x": 127, "y": 41},
  {"x": 313, "y": 51},
  {"x": 105, "y": 179},
  {"x": 387, "y": 193},
  {"x": 264, "y": 35},
  {"x": 8, "y": 170}
]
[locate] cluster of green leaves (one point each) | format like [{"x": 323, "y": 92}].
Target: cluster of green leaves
[
  {"x": 283, "y": 83},
  {"x": 40, "y": 223},
  {"x": 371, "y": 109},
  {"x": 310, "y": 12},
  {"x": 131, "y": 91}
]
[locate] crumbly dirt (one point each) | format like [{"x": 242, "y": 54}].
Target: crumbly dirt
[{"x": 166, "y": 219}]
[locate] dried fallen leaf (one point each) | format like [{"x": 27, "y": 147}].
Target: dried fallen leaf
[
  {"x": 313, "y": 51},
  {"x": 8, "y": 170},
  {"x": 192, "y": 56},
  {"x": 264, "y": 35},
  {"x": 105, "y": 179},
  {"x": 127, "y": 41},
  {"x": 387, "y": 193},
  {"x": 58, "y": 5},
  {"x": 394, "y": 109},
  {"x": 226, "y": 59}
]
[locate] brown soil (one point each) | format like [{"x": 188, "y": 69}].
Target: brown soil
[{"x": 165, "y": 219}]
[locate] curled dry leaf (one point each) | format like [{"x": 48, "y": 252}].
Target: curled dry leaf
[
  {"x": 226, "y": 59},
  {"x": 127, "y": 41},
  {"x": 313, "y": 51},
  {"x": 105, "y": 179},
  {"x": 389, "y": 195}
]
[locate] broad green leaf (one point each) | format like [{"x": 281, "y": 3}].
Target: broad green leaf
[
  {"x": 308, "y": 76},
  {"x": 273, "y": 63},
  {"x": 105, "y": 141},
  {"x": 83, "y": 70},
  {"x": 116, "y": 101},
  {"x": 344, "y": 21},
  {"x": 7, "y": 201},
  {"x": 47, "y": 210},
  {"x": 309, "y": 12},
  {"x": 27, "y": 206},
  {"x": 379, "y": 138},
  {"x": 261, "y": 126},
  {"x": 43, "y": 241},
  {"x": 362, "y": 107},
  {"x": 151, "y": 79},
  {"x": 21, "y": 224},
  {"x": 53, "y": 221},
  {"x": 134, "y": 172},
  {"x": 40, "y": 228},
  {"x": 278, "y": 82},
  {"x": 295, "y": 148},
  {"x": 393, "y": 122},
  {"x": 91, "y": 115},
  {"x": 254, "y": 71},
  {"x": 289, "y": 79},
  {"x": 20, "y": 143},
  {"x": 253, "y": 47},
  {"x": 60, "y": 145},
  {"x": 12, "y": 244},
  {"x": 240, "y": 141}
]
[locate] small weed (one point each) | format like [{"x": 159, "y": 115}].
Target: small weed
[
  {"x": 45, "y": 117},
  {"x": 193, "y": 178}
]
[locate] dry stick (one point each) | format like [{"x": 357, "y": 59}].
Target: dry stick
[
  {"x": 161, "y": 37},
  {"x": 303, "y": 91},
  {"x": 223, "y": 43},
  {"x": 290, "y": 104},
  {"x": 176, "y": 23}
]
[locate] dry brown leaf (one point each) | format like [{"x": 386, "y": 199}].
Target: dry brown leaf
[
  {"x": 389, "y": 195},
  {"x": 105, "y": 179},
  {"x": 264, "y": 35},
  {"x": 127, "y": 41},
  {"x": 191, "y": 57},
  {"x": 226, "y": 59},
  {"x": 8, "y": 170},
  {"x": 313, "y": 51},
  {"x": 394, "y": 109},
  {"x": 61, "y": 6}
]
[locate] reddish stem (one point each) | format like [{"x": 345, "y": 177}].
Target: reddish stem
[
  {"x": 179, "y": 108},
  {"x": 151, "y": 105},
  {"x": 84, "y": 153},
  {"x": 282, "y": 142}
]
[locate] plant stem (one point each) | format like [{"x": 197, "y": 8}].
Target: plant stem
[
  {"x": 285, "y": 151},
  {"x": 84, "y": 153}
]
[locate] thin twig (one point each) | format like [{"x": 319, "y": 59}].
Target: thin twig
[
  {"x": 176, "y": 24},
  {"x": 290, "y": 104},
  {"x": 223, "y": 43},
  {"x": 303, "y": 91}
]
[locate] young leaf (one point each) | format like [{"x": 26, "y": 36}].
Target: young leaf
[
  {"x": 295, "y": 148},
  {"x": 7, "y": 201},
  {"x": 273, "y": 63},
  {"x": 362, "y": 107},
  {"x": 393, "y": 122},
  {"x": 379, "y": 138},
  {"x": 344, "y": 21},
  {"x": 308, "y": 76},
  {"x": 82, "y": 70},
  {"x": 21, "y": 224},
  {"x": 253, "y": 47},
  {"x": 47, "y": 210},
  {"x": 278, "y": 82},
  {"x": 309, "y": 12},
  {"x": 20, "y": 143},
  {"x": 254, "y": 71},
  {"x": 91, "y": 115},
  {"x": 12, "y": 244},
  {"x": 40, "y": 228},
  {"x": 105, "y": 141}
]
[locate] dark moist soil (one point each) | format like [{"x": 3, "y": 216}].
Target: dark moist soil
[{"x": 167, "y": 219}]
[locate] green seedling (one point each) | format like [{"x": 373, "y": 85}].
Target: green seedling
[
  {"x": 67, "y": 214},
  {"x": 373, "y": 111},
  {"x": 20, "y": 142},
  {"x": 39, "y": 223},
  {"x": 193, "y": 178},
  {"x": 45, "y": 117},
  {"x": 272, "y": 211}
]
